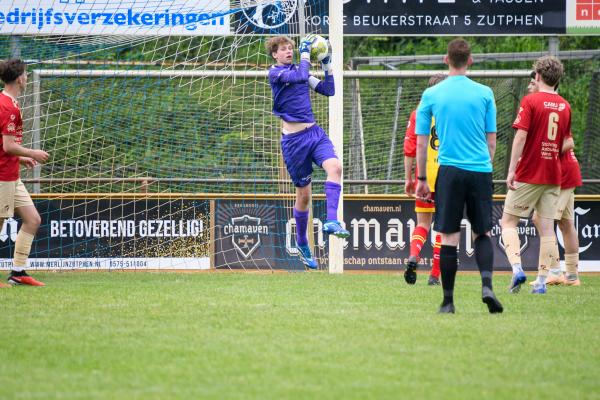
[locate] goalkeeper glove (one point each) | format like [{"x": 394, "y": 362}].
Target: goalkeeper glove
[{"x": 305, "y": 46}]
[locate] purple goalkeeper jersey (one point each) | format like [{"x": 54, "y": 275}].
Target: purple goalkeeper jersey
[{"x": 291, "y": 91}]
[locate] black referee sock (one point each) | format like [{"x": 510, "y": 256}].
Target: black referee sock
[
  {"x": 448, "y": 267},
  {"x": 484, "y": 254}
]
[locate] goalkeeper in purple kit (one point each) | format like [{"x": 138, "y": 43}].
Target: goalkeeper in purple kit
[{"x": 303, "y": 141}]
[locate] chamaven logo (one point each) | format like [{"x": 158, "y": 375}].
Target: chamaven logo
[
  {"x": 268, "y": 14},
  {"x": 245, "y": 234}
]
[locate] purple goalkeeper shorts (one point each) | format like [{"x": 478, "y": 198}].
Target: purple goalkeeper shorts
[{"x": 301, "y": 149}]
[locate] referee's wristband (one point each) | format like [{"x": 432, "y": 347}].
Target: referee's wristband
[{"x": 422, "y": 178}]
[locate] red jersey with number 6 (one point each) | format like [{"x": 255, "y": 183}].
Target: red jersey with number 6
[
  {"x": 547, "y": 119},
  {"x": 11, "y": 124}
]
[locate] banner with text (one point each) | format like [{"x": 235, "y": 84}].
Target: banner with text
[
  {"x": 425, "y": 17},
  {"x": 381, "y": 230},
  {"x": 115, "y": 17},
  {"x": 261, "y": 234},
  {"x": 361, "y": 17},
  {"x": 254, "y": 235},
  {"x": 453, "y": 17},
  {"x": 123, "y": 234},
  {"x": 410, "y": 17}
]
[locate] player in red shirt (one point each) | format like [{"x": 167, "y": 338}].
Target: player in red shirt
[
  {"x": 423, "y": 209},
  {"x": 14, "y": 197},
  {"x": 565, "y": 215},
  {"x": 534, "y": 175}
]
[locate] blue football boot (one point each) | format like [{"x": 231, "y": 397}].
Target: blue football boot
[
  {"x": 333, "y": 227},
  {"x": 307, "y": 258},
  {"x": 539, "y": 289},
  {"x": 517, "y": 280}
]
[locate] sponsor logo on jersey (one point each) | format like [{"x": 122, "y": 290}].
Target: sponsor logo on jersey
[{"x": 554, "y": 106}]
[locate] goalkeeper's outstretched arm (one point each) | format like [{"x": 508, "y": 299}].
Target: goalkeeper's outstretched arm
[{"x": 325, "y": 87}]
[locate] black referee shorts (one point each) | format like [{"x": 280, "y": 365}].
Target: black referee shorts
[{"x": 458, "y": 190}]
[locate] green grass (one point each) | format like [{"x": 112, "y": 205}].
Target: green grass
[
  {"x": 238, "y": 336},
  {"x": 583, "y": 30}
]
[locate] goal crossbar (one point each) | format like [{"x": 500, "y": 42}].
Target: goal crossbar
[{"x": 115, "y": 73}]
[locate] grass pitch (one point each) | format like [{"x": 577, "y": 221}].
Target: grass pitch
[{"x": 304, "y": 335}]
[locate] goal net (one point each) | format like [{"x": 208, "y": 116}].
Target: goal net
[
  {"x": 379, "y": 101},
  {"x": 164, "y": 152},
  {"x": 378, "y": 106}
]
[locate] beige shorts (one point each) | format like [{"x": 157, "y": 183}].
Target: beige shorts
[
  {"x": 528, "y": 197},
  {"x": 566, "y": 204},
  {"x": 13, "y": 195}
]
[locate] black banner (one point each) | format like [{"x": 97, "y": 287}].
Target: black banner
[
  {"x": 381, "y": 230},
  {"x": 453, "y": 17},
  {"x": 116, "y": 233},
  {"x": 261, "y": 234},
  {"x": 254, "y": 234},
  {"x": 411, "y": 17},
  {"x": 245, "y": 233}
]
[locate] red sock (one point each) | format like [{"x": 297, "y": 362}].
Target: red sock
[
  {"x": 417, "y": 240},
  {"x": 435, "y": 269}
]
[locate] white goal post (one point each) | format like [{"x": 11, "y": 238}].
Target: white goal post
[{"x": 336, "y": 121}]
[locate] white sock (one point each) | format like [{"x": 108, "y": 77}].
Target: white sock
[
  {"x": 555, "y": 271},
  {"x": 17, "y": 269},
  {"x": 517, "y": 268},
  {"x": 541, "y": 280}
]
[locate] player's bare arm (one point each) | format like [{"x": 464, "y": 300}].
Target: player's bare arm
[
  {"x": 491, "y": 143},
  {"x": 13, "y": 148},
  {"x": 409, "y": 184},
  {"x": 423, "y": 190},
  {"x": 568, "y": 144},
  {"x": 27, "y": 162},
  {"x": 517, "y": 150}
]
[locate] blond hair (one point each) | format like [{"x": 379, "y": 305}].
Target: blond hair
[{"x": 272, "y": 45}]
